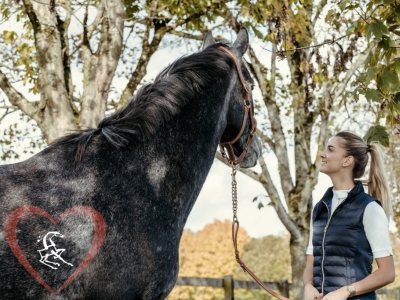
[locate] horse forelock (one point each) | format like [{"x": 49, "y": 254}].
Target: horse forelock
[{"x": 157, "y": 103}]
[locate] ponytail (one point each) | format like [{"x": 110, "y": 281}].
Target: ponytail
[{"x": 378, "y": 186}]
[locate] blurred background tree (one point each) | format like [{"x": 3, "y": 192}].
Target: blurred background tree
[{"x": 207, "y": 253}]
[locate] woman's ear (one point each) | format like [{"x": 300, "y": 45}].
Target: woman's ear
[{"x": 348, "y": 161}]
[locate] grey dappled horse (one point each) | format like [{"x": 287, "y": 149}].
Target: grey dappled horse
[{"x": 118, "y": 196}]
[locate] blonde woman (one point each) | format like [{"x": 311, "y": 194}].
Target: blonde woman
[{"x": 349, "y": 228}]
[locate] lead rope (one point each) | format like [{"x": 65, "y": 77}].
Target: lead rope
[{"x": 235, "y": 229}]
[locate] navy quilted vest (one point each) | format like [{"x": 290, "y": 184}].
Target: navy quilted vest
[{"x": 342, "y": 255}]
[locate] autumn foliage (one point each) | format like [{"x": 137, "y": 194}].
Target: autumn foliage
[{"x": 209, "y": 253}]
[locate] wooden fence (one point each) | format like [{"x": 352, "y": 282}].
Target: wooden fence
[{"x": 229, "y": 284}]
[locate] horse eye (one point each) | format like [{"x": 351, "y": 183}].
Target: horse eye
[{"x": 252, "y": 87}]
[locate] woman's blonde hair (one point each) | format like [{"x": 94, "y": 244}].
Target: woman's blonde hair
[{"x": 378, "y": 186}]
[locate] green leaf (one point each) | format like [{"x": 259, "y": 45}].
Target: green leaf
[
  {"x": 257, "y": 32},
  {"x": 352, "y": 6},
  {"x": 384, "y": 44},
  {"x": 377, "y": 133},
  {"x": 378, "y": 29},
  {"x": 374, "y": 95},
  {"x": 330, "y": 15},
  {"x": 396, "y": 65},
  {"x": 388, "y": 81},
  {"x": 260, "y": 205},
  {"x": 9, "y": 36},
  {"x": 368, "y": 60},
  {"x": 352, "y": 28},
  {"x": 255, "y": 198},
  {"x": 396, "y": 98},
  {"x": 397, "y": 12},
  {"x": 343, "y": 4},
  {"x": 371, "y": 74}
]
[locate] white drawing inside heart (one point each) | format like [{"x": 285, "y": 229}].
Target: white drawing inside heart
[{"x": 50, "y": 251}]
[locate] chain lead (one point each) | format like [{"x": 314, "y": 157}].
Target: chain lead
[{"x": 234, "y": 193}]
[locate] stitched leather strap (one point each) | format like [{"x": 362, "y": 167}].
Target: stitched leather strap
[
  {"x": 235, "y": 229},
  {"x": 230, "y": 155},
  {"x": 248, "y": 113}
]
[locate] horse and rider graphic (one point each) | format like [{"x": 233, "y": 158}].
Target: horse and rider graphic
[{"x": 50, "y": 251}]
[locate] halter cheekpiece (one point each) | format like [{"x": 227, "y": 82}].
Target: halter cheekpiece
[
  {"x": 248, "y": 112},
  {"x": 230, "y": 156}
]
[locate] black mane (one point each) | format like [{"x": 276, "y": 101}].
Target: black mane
[{"x": 158, "y": 102}]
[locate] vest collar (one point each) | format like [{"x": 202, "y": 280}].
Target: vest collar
[{"x": 355, "y": 191}]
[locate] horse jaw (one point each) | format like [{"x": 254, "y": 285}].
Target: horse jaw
[{"x": 252, "y": 155}]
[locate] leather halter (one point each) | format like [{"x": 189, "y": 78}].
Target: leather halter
[
  {"x": 234, "y": 161},
  {"x": 248, "y": 112}
]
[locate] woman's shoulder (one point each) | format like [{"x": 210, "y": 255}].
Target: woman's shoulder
[{"x": 366, "y": 198}]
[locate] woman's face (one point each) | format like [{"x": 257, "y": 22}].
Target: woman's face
[{"x": 333, "y": 158}]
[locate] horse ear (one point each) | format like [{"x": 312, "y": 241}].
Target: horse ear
[
  {"x": 208, "y": 40},
  {"x": 242, "y": 41}
]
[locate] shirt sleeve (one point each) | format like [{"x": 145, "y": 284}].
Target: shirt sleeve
[
  {"x": 310, "y": 249},
  {"x": 376, "y": 227}
]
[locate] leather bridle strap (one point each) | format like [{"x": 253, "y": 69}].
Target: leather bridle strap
[
  {"x": 235, "y": 229},
  {"x": 248, "y": 112},
  {"x": 234, "y": 161}
]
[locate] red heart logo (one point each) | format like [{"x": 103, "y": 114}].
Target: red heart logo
[{"x": 11, "y": 237}]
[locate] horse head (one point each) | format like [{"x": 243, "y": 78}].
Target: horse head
[{"x": 239, "y": 137}]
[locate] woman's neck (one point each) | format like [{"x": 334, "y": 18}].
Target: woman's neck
[{"x": 341, "y": 182}]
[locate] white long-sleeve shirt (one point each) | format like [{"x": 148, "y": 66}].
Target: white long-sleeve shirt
[{"x": 376, "y": 226}]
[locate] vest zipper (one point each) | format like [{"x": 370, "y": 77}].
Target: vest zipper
[
  {"x": 323, "y": 249},
  {"x": 323, "y": 242}
]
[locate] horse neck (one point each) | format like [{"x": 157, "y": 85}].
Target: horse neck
[{"x": 187, "y": 146}]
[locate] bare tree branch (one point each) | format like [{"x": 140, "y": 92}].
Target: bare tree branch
[
  {"x": 320, "y": 7},
  {"x": 252, "y": 174},
  {"x": 265, "y": 139},
  {"x": 99, "y": 68},
  {"x": 31, "y": 15},
  {"x": 198, "y": 37},
  {"x": 268, "y": 92},
  {"x": 99, "y": 17},
  {"x": 266, "y": 181},
  {"x": 18, "y": 100},
  {"x": 339, "y": 88},
  {"x": 160, "y": 29}
]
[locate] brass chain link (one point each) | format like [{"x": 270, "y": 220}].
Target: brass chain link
[{"x": 234, "y": 193}]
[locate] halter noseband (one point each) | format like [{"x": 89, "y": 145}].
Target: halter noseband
[{"x": 229, "y": 154}]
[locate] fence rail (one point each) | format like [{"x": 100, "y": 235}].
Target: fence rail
[{"x": 229, "y": 284}]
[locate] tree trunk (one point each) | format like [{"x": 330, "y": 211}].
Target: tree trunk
[
  {"x": 56, "y": 115},
  {"x": 99, "y": 67},
  {"x": 298, "y": 262}
]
